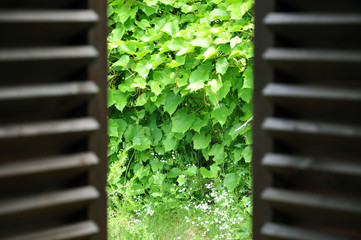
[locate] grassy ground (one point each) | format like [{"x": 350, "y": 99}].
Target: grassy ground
[{"x": 217, "y": 216}]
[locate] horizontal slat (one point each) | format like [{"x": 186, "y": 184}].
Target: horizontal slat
[
  {"x": 279, "y": 231},
  {"x": 313, "y": 19},
  {"x": 308, "y": 200},
  {"x": 48, "y": 53},
  {"x": 315, "y": 128},
  {"x": 283, "y": 161},
  {"x": 71, "y": 231},
  {"x": 280, "y": 91},
  {"x": 48, "y": 128},
  {"x": 48, "y": 91},
  {"x": 312, "y": 55},
  {"x": 48, "y": 16},
  {"x": 48, "y": 200},
  {"x": 46, "y": 165}
]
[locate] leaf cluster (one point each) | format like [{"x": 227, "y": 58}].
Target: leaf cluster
[{"x": 180, "y": 84}]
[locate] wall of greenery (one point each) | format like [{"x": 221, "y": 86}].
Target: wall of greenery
[{"x": 180, "y": 85}]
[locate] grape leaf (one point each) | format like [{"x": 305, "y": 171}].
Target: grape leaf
[
  {"x": 182, "y": 121},
  {"x": 222, "y": 65},
  {"x": 201, "y": 140}
]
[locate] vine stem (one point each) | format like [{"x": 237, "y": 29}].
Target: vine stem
[{"x": 245, "y": 124}]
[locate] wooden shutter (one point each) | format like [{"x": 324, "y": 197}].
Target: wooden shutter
[
  {"x": 53, "y": 133},
  {"x": 307, "y": 126}
]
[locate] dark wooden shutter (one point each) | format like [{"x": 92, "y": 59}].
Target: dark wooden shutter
[
  {"x": 307, "y": 125},
  {"x": 53, "y": 119}
]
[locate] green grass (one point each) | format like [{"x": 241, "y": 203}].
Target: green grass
[{"x": 217, "y": 216}]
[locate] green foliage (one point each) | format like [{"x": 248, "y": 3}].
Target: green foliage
[{"x": 180, "y": 84}]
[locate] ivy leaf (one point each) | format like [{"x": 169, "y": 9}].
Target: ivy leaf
[
  {"x": 147, "y": 10},
  {"x": 176, "y": 43},
  {"x": 220, "y": 113},
  {"x": 143, "y": 68},
  {"x": 210, "y": 53},
  {"x": 171, "y": 28},
  {"x": 200, "y": 140},
  {"x": 129, "y": 47},
  {"x": 222, "y": 65},
  {"x": 172, "y": 102},
  {"x": 218, "y": 14},
  {"x": 204, "y": 42},
  {"x": 181, "y": 180},
  {"x": 141, "y": 143},
  {"x": 239, "y": 9},
  {"x": 195, "y": 86},
  {"x": 174, "y": 172},
  {"x": 201, "y": 74},
  {"x": 231, "y": 181},
  {"x": 199, "y": 123},
  {"x": 191, "y": 171},
  {"x": 182, "y": 121},
  {"x": 247, "y": 154},
  {"x": 245, "y": 94},
  {"x": 116, "y": 127},
  {"x": 123, "y": 61},
  {"x": 156, "y": 165},
  {"x": 248, "y": 77},
  {"x": 121, "y": 100},
  {"x": 111, "y": 99},
  {"x": 170, "y": 144},
  {"x": 212, "y": 173},
  {"x": 234, "y": 41}
]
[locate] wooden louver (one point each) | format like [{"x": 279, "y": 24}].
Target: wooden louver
[
  {"x": 53, "y": 119},
  {"x": 307, "y": 125}
]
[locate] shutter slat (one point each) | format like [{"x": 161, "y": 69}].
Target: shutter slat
[
  {"x": 48, "y": 128},
  {"x": 308, "y": 127},
  {"x": 48, "y": 16},
  {"x": 284, "y": 161},
  {"x": 46, "y": 165},
  {"x": 285, "y": 55},
  {"x": 287, "y": 91},
  {"x": 279, "y": 20},
  {"x": 280, "y": 232},
  {"x": 78, "y": 89},
  {"x": 79, "y": 230},
  {"x": 29, "y": 204},
  {"x": 47, "y": 54},
  {"x": 281, "y": 197}
]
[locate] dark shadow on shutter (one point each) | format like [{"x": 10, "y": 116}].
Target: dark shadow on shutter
[
  {"x": 307, "y": 125},
  {"x": 53, "y": 114}
]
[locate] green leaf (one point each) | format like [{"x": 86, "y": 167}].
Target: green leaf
[
  {"x": 201, "y": 74},
  {"x": 248, "y": 77},
  {"x": 199, "y": 123},
  {"x": 181, "y": 180},
  {"x": 247, "y": 154},
  {"x": 238, "y": 9},
  {"x": 174, "y": 172},
  {"x": 191, "y": 171},
  {"x": 222, "y": 65},
  {"x": 212, "y": 173},
  {"x": 156, "y": 165},
  {"x": 220, "y": 113},
  {"x": 204, "y": 42},
  {"x": 218, "y": 14},
  {"x": 170, "y": 144},
  {"x": 147, "y": 10},
  {"x": 182, "y": 121},
  {"x": 123, "y": 61},
  {"x": 201, "y": 140},
  {"x": 143, "y": 67},
  {"x": 176, "y": 43},
  {"x": 116, "y": 127},
  {"x": 141, "y": 143},
  {"x": 210, "y": 53},
  {"x": 245, "y": 94},
  {"x": 172, "y": 101},
  {"x": 120, "y": 99},
  {"x": 129, "y": 47},
  {"x": 171, "y": 28},
  {"x": 231, "y": 181}
]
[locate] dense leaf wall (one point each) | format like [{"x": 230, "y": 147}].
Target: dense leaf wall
[{"x": 180, "y": 85}]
